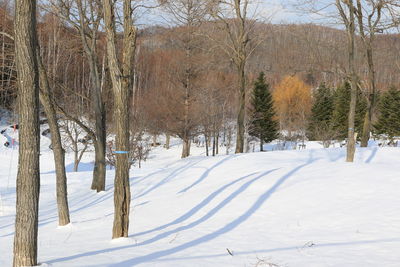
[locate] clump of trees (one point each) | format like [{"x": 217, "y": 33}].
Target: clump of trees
[{"x": 388, "y": 123}]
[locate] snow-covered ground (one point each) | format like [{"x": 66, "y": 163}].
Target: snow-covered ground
[{"x": 303, "y": 208}]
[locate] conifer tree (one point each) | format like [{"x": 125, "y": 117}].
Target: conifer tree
[
  {"x": 263, "y": 124},
  {"x": 321, "y": 112},
  {"x": 341, "y": 110},
  {"x": 389, "y": 118}
]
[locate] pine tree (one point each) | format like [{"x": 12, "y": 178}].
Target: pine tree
[
  {"x": 321, "y": 112},
  {"x": 341, "y": 110},
  {"x": 389, "y": 118},
  {"x": 263, "y": 124}
]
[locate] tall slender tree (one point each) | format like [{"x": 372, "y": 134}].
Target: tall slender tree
[
  {"x": 85, "y": 16},
  {"x": 28, "y": 177},
  {"x": 346, "y": 9},
  {"x": 121, "y": 77}
]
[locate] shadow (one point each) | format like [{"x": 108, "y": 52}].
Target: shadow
[
  {"x": 195, "y": 209},
  {"x": 333, "y": 158},
  {"x": 372, "y": 156},
  {"x": 96, "y": 201},
  {"x": 300, "y": 247},
  {"x": 169, "y": 177},
  {"x": 83, "y": 167},
  {"x": 209, "y": 214},
  {"x": 207, "y": 172},
  {"x": 208, "y": 237}
]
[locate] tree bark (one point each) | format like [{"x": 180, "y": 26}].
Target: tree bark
[
  {"x": 351, "y": 142},
  {"x": 241, "y": 112},
  {"x": 88, "y": 31},
  {"x": 28, "y": 177},
  {"x": 167, "y": 141},
  {"x": 206, "y": 143},
  {"x": 186, "y": 147},
  {"x": 121, "y": 82},
  {"x": 368, "y": 42},
  {"x": 58, "y": 151}
]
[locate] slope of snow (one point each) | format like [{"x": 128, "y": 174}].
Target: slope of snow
[{"x": 303, "y": 208}]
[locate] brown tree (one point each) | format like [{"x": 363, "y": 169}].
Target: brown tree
[
  {"x": 28, "y": 177},
  {"x": 121, "y": 77},
  {"x": 85, "y": 16},
  {"x": 239, "y": 30}
]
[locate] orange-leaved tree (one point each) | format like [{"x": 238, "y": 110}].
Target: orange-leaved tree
[{"x": 292, "y": 98}]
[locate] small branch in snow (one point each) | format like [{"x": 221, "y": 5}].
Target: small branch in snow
[{"x": 230, "y": 252}]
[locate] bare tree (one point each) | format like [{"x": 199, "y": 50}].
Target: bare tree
[
  {"x": 75, "y": 141},
  {"x": 46, "y": 98},
  {"x": 28, "y": 177},
  {"x": 85, "y": 16},
  {"x": 347, "y": 10},
  {"x": 237, "y": 46},
  {"x": 121, "y": 77},
  {"x": 187, "y": 14},
  {"x": 370, "y": 19}
]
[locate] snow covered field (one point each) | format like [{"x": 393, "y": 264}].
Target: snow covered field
[{"x": 304, "y": 208}]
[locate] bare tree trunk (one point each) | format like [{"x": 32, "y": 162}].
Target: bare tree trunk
[
  {"x": 121, "y": 83},
  {"x": 206, "y": 143},
  {"x": 28, "y": 177},
  {"x": 186, "y": 147},
  {"x": 213, "y": 144},
  {"x": 373, "y": 20},
  {"x": 58, "y": 151},
  {"x": 350, "y": 27},
  {"x": 241, "y": 113},
  {"x": 167, "y": 140},
  {"x": 261, "y": 144},
  {"x": 217, "y": 143}
]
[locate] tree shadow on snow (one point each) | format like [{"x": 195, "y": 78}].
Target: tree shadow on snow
[
  {"x": 166, "y": 179},
  {"x": 300, "y": 247},
  {"x": 206, "y": 238},
  {"x": 207, "y": 172}
]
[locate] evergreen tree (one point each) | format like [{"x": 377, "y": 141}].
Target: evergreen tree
[
  {"x": 389, "y": 118},
  {"x": 341, "y": 110},
  {"x": 263, "y": 124},
  {"x": 321, "y": 112}
]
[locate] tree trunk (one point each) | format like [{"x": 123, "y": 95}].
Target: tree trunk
[
  {"x": 167, "y": 141},
  {"x": 261, "y": 144},
  {"x": 371, "y": 98},
  {"x": 351, "y": 142},
  {"x": 99, "y": 171},
  {"x": 241, "y": 112},
  {"x": 206, "y": 143},
  {"x": 58, "y": 151},
  {"x": 28, "y": 177},
  {"x": 213, "y": 145},
  {"x": 186, "y": 147},
  {"x": 121, "y": 83},
  {"x": 217, "y": 144}
]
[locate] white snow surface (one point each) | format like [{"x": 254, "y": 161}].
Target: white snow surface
[{"x": 303, "y": 208}]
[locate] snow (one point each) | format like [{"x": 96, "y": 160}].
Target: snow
[{"x": 295, "y": 208}]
